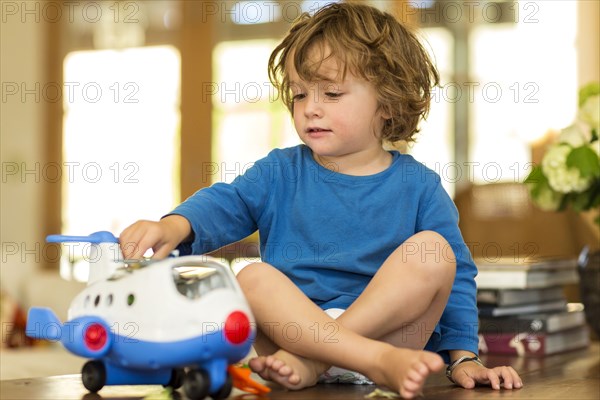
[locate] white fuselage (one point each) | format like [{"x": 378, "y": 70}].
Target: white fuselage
[{"x": 145, "y": 304}]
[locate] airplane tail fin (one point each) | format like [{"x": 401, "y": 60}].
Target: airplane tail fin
[{"x": 42, "y": 323}]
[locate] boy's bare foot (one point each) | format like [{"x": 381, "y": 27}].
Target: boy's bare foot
[
  {"x": 289, "y": 370},
  {"x": 405, "y": 370},
  {"x": 402, "y": 370}
]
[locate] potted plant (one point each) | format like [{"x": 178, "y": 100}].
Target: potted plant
[{"x": 569, "y": 177}]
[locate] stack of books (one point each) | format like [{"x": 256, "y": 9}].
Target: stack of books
[{"x": 523, "y": 310}]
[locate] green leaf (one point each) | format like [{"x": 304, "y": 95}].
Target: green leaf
[
  {"x": 565, "y": 201},
  {"x": 595, "y": 195},
  {"x": 580, "y": 201},
  {"x": 595, "y": 201},
  {"x": 537, "y": 182},
  {"x": 591, "y": 89},
  {"x": 585, "y": 160},
  {"x": 535, "y": 176}
]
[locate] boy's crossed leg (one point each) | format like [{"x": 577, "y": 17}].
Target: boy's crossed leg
[{"x": 376, "y": 336}]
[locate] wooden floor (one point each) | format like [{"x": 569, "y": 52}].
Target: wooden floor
[{"x": 574, "y": 375}]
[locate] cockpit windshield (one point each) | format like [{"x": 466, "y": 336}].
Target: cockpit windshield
[
  {"x": 128, "y": 267},
  {"x": 195, "y": 281}
]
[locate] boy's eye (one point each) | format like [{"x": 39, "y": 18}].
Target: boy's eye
[
  {"x": 298, "y": 97},
  {"x": 333, "y": 95}
]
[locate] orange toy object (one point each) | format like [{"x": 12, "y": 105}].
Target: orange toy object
[{"x": 241, "y": 380}]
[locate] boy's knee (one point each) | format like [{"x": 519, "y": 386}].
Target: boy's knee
[
  {"x": 251, "y": 276},
  {"x": 434, "y": 249}
]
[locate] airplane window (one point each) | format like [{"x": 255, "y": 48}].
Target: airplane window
[
  {"x": 97, "y": 301},
  {"x": 109, "y": 299},
  {"x": 195, "y": 281},
  {"x": 86, "y": 302},
  {"x": 130, "y": 299}
]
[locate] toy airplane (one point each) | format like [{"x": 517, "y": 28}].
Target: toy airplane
[{"x": 178, "y": 321}]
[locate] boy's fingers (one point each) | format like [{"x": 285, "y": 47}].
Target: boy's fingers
[
  {"x": 126, "y": 248},
  {"x": 161, "y": 252},
  {"x": 493, "y": 378},
  {"x": 462, "y": 378},
  {"x": 485, "y": 376},
  {"x": 132, "y": 248},
  {"x": 137, "y": 238},
  {"x": 465, "y": 381},
  {"x": 511, "y": 378},
  {"x": 507, "y": 378}
]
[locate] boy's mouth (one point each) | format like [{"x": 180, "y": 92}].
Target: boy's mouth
[{"x": 315, "y": 130}]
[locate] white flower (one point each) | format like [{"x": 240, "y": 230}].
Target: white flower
[
  {"x": 576, "y": 135},
  {"x": 590, "y": 112},
  {"x": 561, "y": 178},
  {"x": 547, "y": 199}
]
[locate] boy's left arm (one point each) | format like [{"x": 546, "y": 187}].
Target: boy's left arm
[{"x": 470, "y": 373}]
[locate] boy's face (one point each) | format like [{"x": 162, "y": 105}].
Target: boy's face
[{"x": 336, "y": 117}]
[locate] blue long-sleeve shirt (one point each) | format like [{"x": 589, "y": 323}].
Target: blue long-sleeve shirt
[{"x": 330, "y": 232}]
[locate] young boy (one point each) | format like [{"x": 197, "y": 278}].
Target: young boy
[{"x": 363, "y": 265}]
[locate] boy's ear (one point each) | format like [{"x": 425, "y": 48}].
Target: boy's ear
[{"x": 385, "y": 112}]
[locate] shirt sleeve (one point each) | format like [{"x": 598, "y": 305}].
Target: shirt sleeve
[
  {"x": 459, "y": 321},
  {"x": 225, "y": 213}
]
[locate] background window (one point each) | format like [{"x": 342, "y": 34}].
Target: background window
[
  {"x": 526, "y": 76},
  {"x": 434, "y": 144},
  {"x": 121, "y": 141},
  {"x": 248, "y": 120}
]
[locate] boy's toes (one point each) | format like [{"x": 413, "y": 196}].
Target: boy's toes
[
  {"x": 408, "y": 394},
  {"x": 294, "y": 379},
  {"x": 277, "y": 365},
  {"x": 433, "y": 361},
  {"x": 257, "y": 364},
  {"x": 269, "y": 360},
  {"x": 416, "y": 376},
  {"x": 285, "y": 370},
  {"x": 410, "y": 386}
]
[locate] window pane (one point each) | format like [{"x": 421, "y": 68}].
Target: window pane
[
  {"x": 248, "y": 120},
  {"x": 434, "y": 146},
  {"x": 121, "y": 137},
  {"x": 244, "y": 137},
  {"x": 526, "y": 85}
]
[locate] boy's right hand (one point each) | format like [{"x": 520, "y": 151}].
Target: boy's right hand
[{"x": 161, "y": 236}]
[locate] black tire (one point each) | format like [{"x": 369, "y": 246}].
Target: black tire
[
  {"x": 196, "y": 384},
  {"x": 177, "y": 377},
  {"x": 93, "y": 375},
  {"x": 225, "y": 390}
]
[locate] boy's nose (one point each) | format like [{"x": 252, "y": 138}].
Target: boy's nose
[{"x": 313, "y": 106}]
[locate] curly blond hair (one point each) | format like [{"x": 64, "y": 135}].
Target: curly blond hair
[{"x": 372, "y": 45}]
